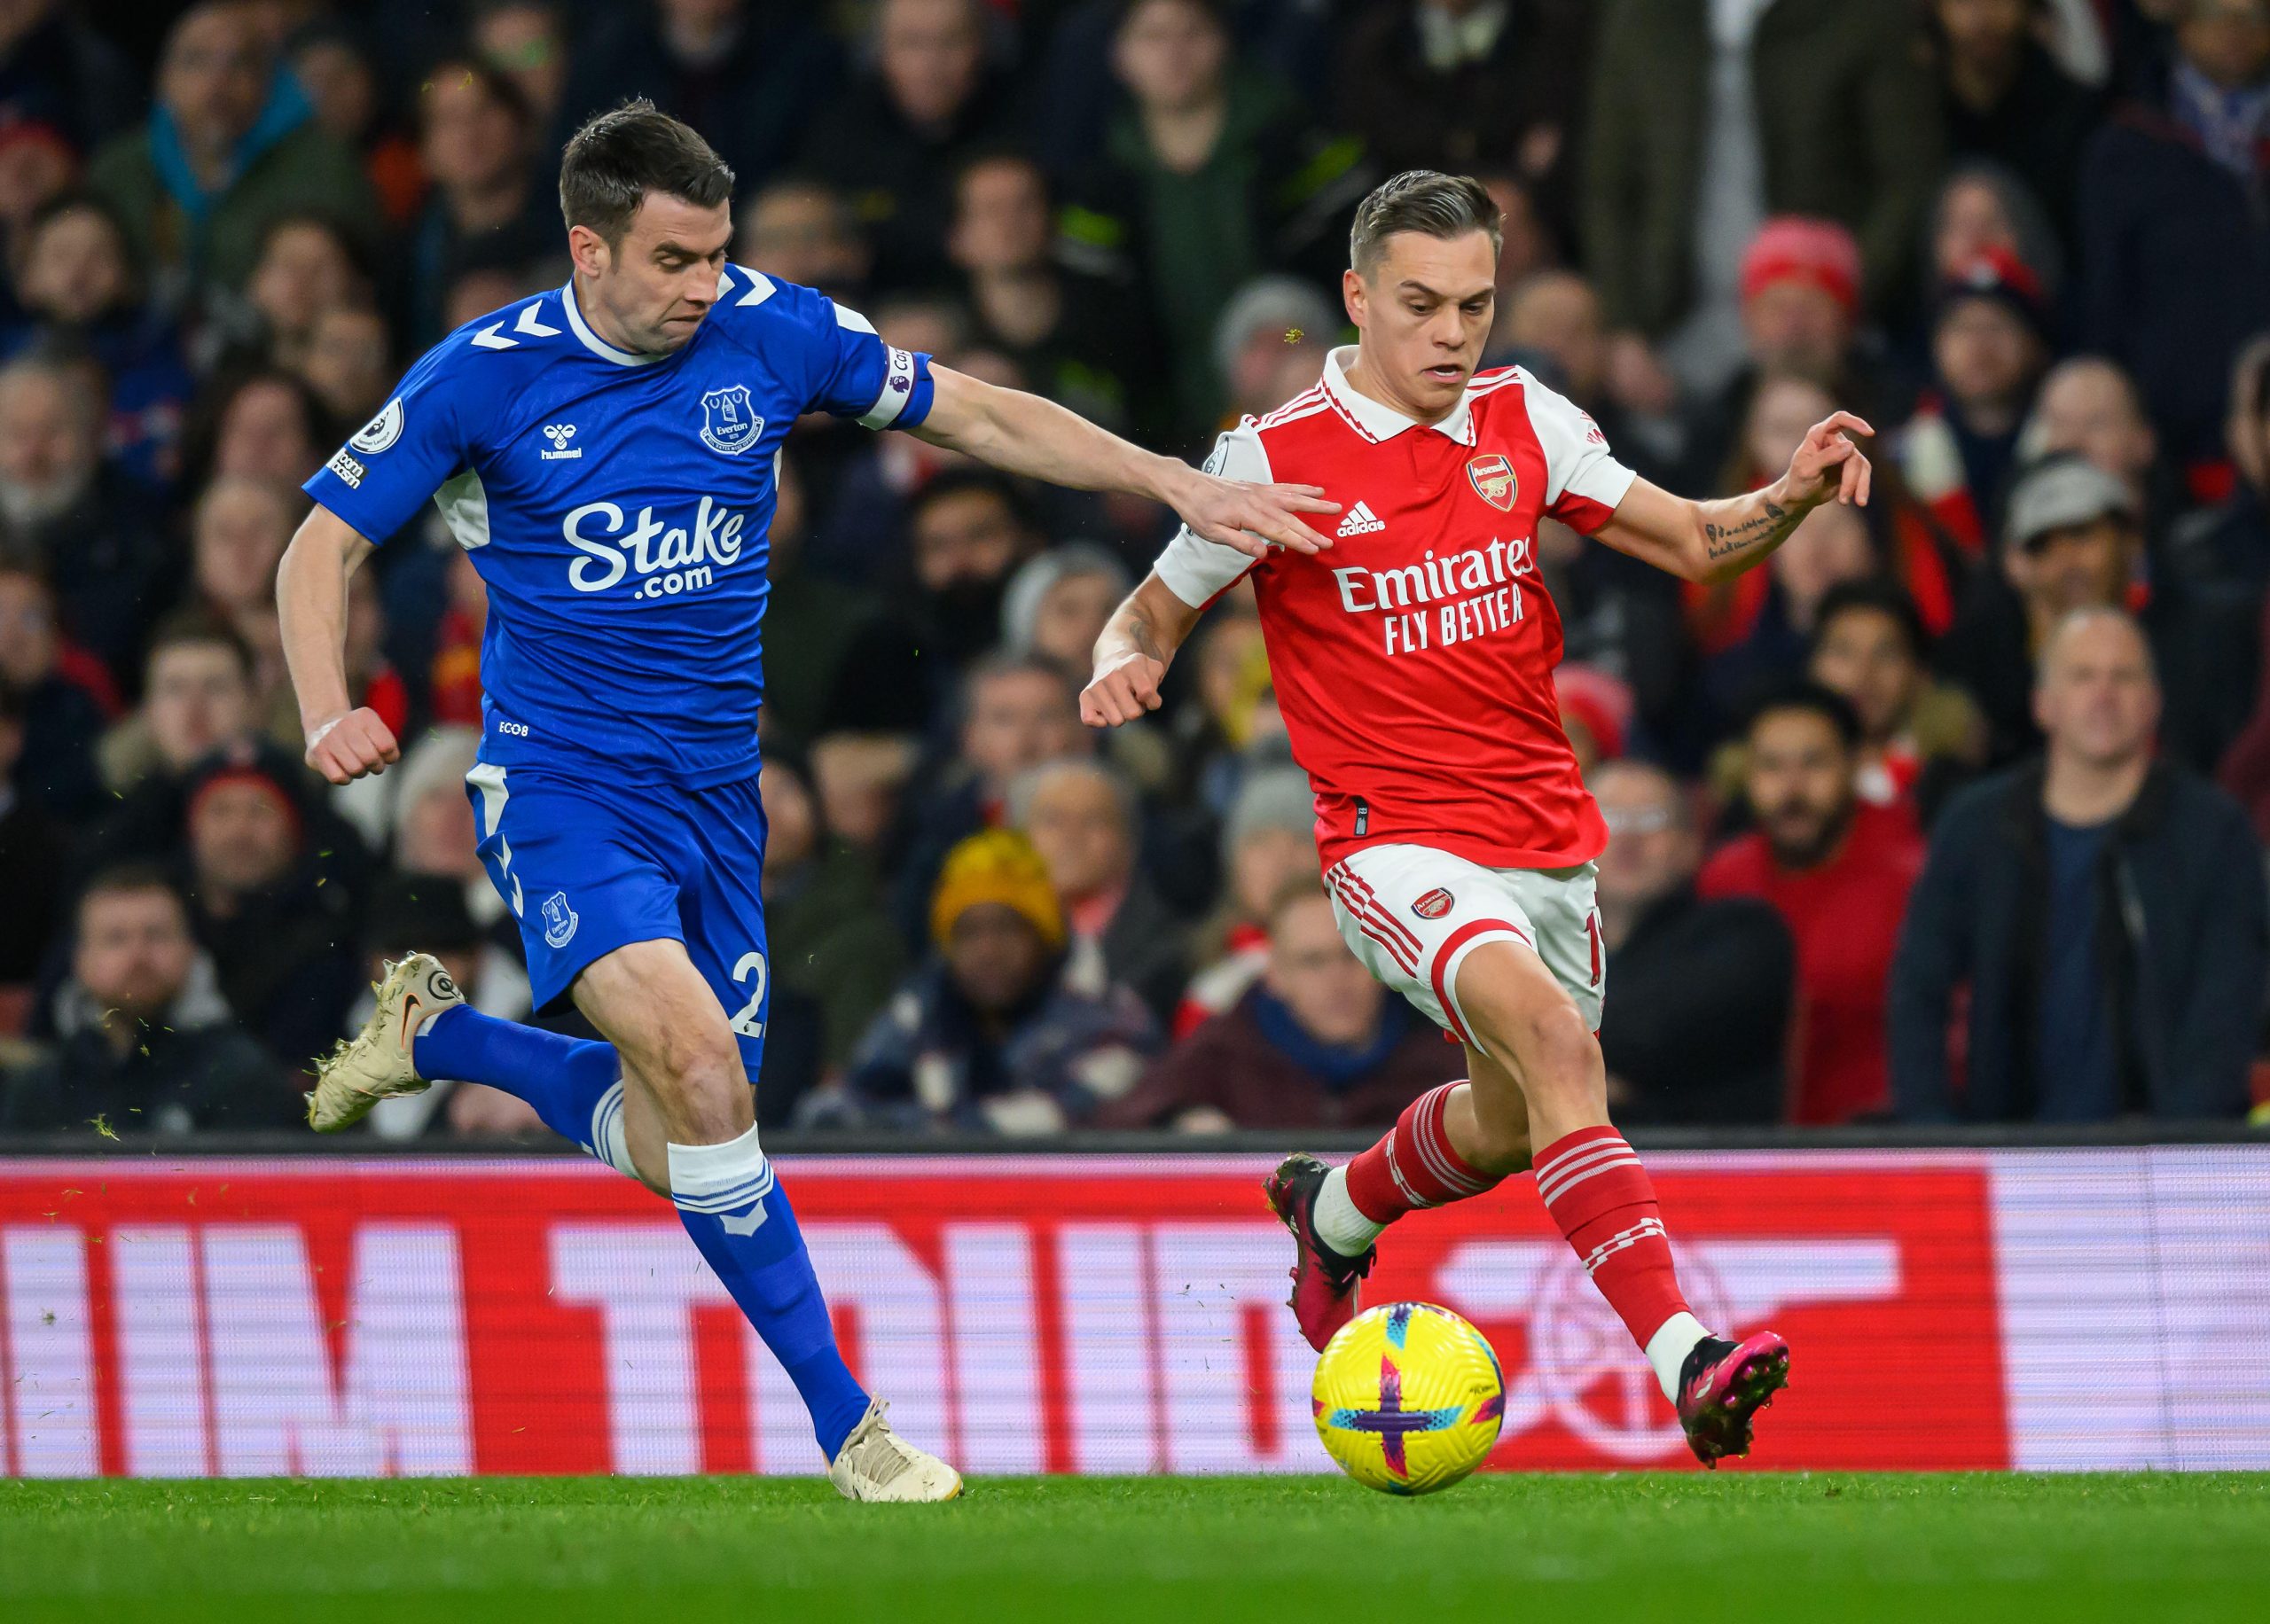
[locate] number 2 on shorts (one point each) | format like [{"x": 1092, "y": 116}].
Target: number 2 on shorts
[{"x": 745, "y": 1019}]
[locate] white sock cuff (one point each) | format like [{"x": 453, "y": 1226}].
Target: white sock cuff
[
  {"x": 1340, "y": 1223},
  {"x": 1668, "y": 1348},
  {"x": 719, "y": 1178},
  {"x": 610, "y": 1143}
]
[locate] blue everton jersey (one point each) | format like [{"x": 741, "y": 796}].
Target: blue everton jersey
[{"x": 617, "y": 507}]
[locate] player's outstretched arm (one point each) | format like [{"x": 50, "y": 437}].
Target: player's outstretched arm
[
  {"x": 1137, "y": 643},
  {"x": 1024, "y": 435},
  {"x": 343, "y": 742},
  {"x": 1715, "y": 541}
]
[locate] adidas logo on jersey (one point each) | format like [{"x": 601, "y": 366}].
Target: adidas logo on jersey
[{"x": 1360, "y": 521}]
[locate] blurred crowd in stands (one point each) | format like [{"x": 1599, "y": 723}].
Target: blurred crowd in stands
[{"x": 1952, "y": 813}]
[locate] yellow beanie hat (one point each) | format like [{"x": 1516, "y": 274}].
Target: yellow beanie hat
[{"x": 997, "y": 865}]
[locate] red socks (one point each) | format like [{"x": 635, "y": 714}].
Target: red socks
[
  {"x": 1590, "y": 1181},
  {"x": 1414, "y": 1165},
  {"x": 1605, "y": 1204}
]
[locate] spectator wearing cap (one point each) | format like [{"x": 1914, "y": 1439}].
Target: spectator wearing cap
[
  {"x": 139, "y": 1038},
  {"x": 1268, "y": 839},
  {"x": 2175, "y": 243},
  {"x": 1317, "y": 1042},
  {"x": 76, "y": 518},
  {"x": 2104, "y": 911},
  {"x": 1698, "y": 1031},
  {"x": 1082, "y": 816},
  {"x": 230, "y": 145},
  {"x": 34, "y": 857},
  {"x": 1705, "y": 121},
  {"x": 1837, "y": 870},
  {"x": 987, "y": 1037},
  {"x": 1989, "y": 341},
  {"x": 2007, "y": 100},
  {"x": 281, "y": 936},
  {"x": 2074, "y": 540}
]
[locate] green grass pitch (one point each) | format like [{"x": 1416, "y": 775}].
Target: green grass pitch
[{"x": 1831, "y": 1546}]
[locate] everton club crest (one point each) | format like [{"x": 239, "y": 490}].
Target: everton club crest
[
  {"x": 1494, "y": 480},
  {"x": 730, "y": 425}
]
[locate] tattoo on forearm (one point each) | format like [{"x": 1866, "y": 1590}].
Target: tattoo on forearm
[{"x": 1725, "y": 540}]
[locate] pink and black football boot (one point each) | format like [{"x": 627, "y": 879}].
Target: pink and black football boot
[
  {"x": 1324, "y": 1282},
  {"x": 1721, "y": 1389}
]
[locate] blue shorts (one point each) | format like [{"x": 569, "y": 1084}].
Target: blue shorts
[{"x": 591, "y": 867}]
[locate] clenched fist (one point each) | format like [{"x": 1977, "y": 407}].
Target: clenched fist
[
  {"x": 350, "y": 745},
  {"x": 1122, "y": 689}
]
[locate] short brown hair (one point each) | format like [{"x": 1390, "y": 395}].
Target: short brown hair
[
  {"x": 620, "y": 155},
  {"x": 1423, "y": 200}
]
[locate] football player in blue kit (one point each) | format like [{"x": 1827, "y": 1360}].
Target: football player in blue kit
[{"x": 604, "y": 452}]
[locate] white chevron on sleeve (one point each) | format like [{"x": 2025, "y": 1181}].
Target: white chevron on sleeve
[
  {"x": 491, "y": 337},
  {"x": 529, "y": 323}
]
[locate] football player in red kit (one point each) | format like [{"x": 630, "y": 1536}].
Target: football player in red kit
[{"x": 1413, "y": 659}]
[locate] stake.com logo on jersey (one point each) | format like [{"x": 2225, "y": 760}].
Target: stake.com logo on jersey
[
  {"x": 1481, "y": 585},
  {"x": 668, "y": 559}
]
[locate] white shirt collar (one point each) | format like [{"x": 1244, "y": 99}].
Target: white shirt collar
[
  {"x": 1374, "y": 419},
  {"x": 592, "y": 341}
]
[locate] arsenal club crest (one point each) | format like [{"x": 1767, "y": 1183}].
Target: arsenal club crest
[
  {"x": 1494, "y": 480},
  {"x": 729, "y": 423},
  {"x": 1438, "y": 902}
]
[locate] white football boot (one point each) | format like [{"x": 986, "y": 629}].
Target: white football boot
[
  {"x": 375, "y": 1063},
  {"x": 876, "y": 1464}
]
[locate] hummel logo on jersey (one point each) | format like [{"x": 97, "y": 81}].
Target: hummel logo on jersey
[
  {"x": 559, "y": 434},
  {"x": 1361, "y": 521}
]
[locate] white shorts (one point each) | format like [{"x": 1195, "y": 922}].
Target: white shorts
[{"x": 1413, "y": 913}]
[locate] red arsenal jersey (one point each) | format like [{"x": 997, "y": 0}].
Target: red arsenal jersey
[{"x": 1413, "y": 659}]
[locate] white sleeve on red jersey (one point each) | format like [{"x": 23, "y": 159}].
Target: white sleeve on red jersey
[
  {"x": 1195, "y": 569},
  {"x": 1583, "y": 479}
]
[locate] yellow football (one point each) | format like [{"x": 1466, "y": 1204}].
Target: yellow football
[{"x": 1408, "y": 1398}]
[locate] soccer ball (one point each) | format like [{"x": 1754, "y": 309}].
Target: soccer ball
[{"x": 1408, "y": 1398}]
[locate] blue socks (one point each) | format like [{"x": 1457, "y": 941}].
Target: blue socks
[
  {"x": 740, "y": 1220},
  {"x": 725, "y": 1194},
  {"x": 565, "y": 1079}
]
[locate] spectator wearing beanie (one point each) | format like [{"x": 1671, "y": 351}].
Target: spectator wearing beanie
[
  {"x": 1318, "y": 1043},
  {"x": 987, "y": 1037},
  {"x": 1989, "y": 341}
]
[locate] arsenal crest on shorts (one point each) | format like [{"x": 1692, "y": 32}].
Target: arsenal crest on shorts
[
  {"x": 1494, "y": 480},
  {"x": 1438, "y": 902}
]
